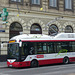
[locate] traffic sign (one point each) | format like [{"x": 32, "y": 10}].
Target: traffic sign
[
  {"x": 4, "y": 14},
  {"x": 2, "y": 30}
]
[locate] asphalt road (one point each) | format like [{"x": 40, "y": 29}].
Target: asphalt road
[{"x": 57, "y": 69}]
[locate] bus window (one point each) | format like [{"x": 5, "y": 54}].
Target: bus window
[
  {"x": 31, "y": 48},
  {"x": 73, "y": 46},
  {"x": 44, "y": 48},
  {"x": 70, "y": 47},
  {"x": 51, "y": 47},
  {"x": 58, "y": 45},
  {"x": 66, "y": 46},
  {"x": 13, "y": 51},
  {"x": 35, "y": 47},
  {"x": 39, "y": 48}
]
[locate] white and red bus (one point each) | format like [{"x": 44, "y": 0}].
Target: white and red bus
[{"x": 36, "y": 49}]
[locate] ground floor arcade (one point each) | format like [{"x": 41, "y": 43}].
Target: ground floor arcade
[{"x": 33, "y": 23}]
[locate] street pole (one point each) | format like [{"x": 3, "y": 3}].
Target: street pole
[
  {"x": 17, "y": 8},
  {"x": 0, "y": 46}
]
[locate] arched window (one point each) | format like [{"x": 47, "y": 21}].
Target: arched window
[
  {"x": 53, "y": 30},
  {"x": 36, "y": 29},
  {"x": 15, "y": 29},
  {"x": 68, "y": 29}
]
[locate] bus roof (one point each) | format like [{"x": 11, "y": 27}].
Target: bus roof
[
  {"x": 31, "y": 36},
  {"x": 60, "y": 36}
]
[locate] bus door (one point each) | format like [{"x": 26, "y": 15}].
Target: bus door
[
  {"x": 24, "y": 50},
  {"x": 31, "y": 48}
]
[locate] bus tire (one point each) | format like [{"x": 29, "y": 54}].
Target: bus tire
[
  {"x": 34, "y": 63},
  {"x": 66, "y": 60}
]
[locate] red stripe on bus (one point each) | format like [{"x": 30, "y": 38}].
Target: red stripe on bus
[
  {"x": 72, "y": 59},
  {"x": 41, "y": 62},
  {"x": 45, "y": 40},
  {"x": 50, "y": 61}
]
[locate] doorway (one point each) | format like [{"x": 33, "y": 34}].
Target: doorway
[{"x": 15, "y": 29}]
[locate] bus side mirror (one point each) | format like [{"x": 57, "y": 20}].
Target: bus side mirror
[{"x": 20, "y": 43}]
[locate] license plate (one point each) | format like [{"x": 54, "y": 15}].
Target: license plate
[{"x": 10, "y": 65}]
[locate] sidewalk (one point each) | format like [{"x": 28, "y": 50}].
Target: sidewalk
[
  {"x": 3, "y": 64},
  {"x": 71, "y": 74}
]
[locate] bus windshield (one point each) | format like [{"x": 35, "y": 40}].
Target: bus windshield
[{"x": 13, "y": 51}]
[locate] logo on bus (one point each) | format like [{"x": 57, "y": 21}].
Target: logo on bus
[
  {"x": 40, "y": 56},
  {"x": 63, "y": 51}
]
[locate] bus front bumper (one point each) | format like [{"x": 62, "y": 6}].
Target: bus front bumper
[{"x": 18, "y": 64}]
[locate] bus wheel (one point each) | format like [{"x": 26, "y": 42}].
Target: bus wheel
[
  {"x": 34, "y": 63},
  {"x": 66, "y": 60}
]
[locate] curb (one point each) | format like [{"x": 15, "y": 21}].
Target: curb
[
  {"x": 3, "y": 64},
  {"x": 3, "y": 67}
]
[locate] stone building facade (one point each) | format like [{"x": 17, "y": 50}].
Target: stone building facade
[{"x": 32, "y": 17}]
